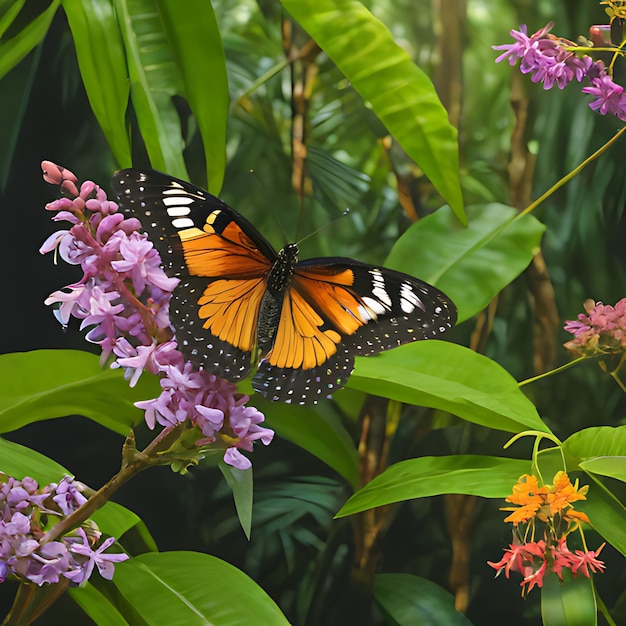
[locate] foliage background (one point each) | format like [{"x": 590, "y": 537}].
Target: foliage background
[{"x": 45, "y": 114}]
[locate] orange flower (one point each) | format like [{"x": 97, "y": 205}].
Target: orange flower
[
  {"x": 563, "y": 493},
  {"x": 529, "y": 495}
]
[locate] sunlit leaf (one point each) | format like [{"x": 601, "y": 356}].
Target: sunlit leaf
[
  {"x": 612, "y": 466},
  {"x": 13, "y": 50},
  {"x": 192, "y": 588},
  {"x": 97, "y": 606},
  {"x": 44, "y": 384},
  {"x": 450, "y": 377},
  {"x": 399, "y": 93},
  {"x": 471, "y": 265},
  {"x": 154, "y": 79},
  {"x": 241, "y": 483},
  {"x": 102, "y": 63},
  {"x": 196, "y": 44},
  {"x": 486, "y": 476}
]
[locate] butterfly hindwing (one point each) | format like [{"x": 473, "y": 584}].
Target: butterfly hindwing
[
  {"x": 336, "y": 309},
  {"x": 220, "y": 258}
]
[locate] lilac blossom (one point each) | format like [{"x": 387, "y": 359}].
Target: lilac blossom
[
  {"x": 26, "y": 513},
  {"x": 122, "y": 301},
  {"x": 551, "y": 61}
]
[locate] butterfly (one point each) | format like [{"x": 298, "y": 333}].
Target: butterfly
[{"x": 241, "y": 306}]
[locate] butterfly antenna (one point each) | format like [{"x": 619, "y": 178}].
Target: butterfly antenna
[{"x": 321, "y": 228}]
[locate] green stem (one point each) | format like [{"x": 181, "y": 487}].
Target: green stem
[
  {"x": 133, "y": 462},
  {"x": 551, "y": 372},
  {"x": 603, "y": 609},
  {"x": 533, "y": 205}
]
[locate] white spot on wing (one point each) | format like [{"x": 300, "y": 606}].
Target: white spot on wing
[
  {"x": 182, "y": 222},
  {"x": 374, "y": 305},
  {"x": 178, "y": 211},
  {"x": 177, "y": 200}
]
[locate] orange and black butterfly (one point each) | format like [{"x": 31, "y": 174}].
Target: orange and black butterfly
[{"x": 240, "y": 305}]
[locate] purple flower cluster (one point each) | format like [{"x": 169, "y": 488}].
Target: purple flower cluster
[
  {"x": 122, "y": 300},
  {"x": 25, "y": 514},
  {"x": 551, "y": 61},
  {"x": 601, "y": 332}
]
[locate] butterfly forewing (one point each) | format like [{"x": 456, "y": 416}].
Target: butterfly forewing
[{"x": 219, "y": 256}]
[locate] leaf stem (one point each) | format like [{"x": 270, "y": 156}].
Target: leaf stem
[{"x": 551, "y": 372}]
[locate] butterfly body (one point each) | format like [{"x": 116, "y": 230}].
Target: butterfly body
[{"x": 241, "y": 306}]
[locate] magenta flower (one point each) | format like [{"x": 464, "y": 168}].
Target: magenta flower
[
  {"x": 601, "y": 332},
  {"x": 609, "y": 97},
  {"x": 123, "y": 302}
]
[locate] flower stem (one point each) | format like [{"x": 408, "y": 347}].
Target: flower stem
[
  {"x": 533, "y": 205},
  {"x": 551, "y": 372},
  {"x": 133, "y": 462}
]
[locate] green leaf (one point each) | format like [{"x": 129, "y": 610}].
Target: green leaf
[
  {"x": 486, "y": 476},
  {"x": 411, "y": 600},
  {"x": 572, "y": 603},
  {"x": 471, "y": 265},
  {"x": 612, "y": 466},
  {"x": 242, "y": 484},
  {"x": 154, "y": 79},
  {"x": 399, "y": 93},
  {"x": 102, "y": 63},
  {"x": 192, "y": 588},
  {"x": 196, "y": 44},
  {"x": 19, "y": 461},
  {"x": 9, "y": 10},
  {"x": 15, "y": 49},
  {"x": 450, "y": 377},
  {"x": 318, "y": 433},
  {"x": 44, "y": 384},
  {"x": 96, "y": 605},
  {"x": 599, "y": 441}
]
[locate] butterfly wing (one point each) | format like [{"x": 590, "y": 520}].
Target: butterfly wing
[
  {"x": 336, "y": 309},
  {"x": 222, "y": 262}
]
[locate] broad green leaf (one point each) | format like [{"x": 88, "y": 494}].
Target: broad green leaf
[
  {"x": 102, "y": 63},
  {"x": 191, "y": 588},
  {"x": 486, "y": 476},
  {"x": 411, "y": 600},
  {"x": 15, "y": 49},
  {"x": 612, "y": 466},
  {"x": 196, "y": 44},
  {"x": 399, "y": 93},
  {"x": 154, "y": 79},
  {"x": 594, "y": 442},
  {"x": 19, "y": 461},
  {"x": 317, "y": 432},
  {"x": 572, "y": 603},
  {"x": 97, "y": 606},
  {"x": 242, "y": 484},
  {"x": 450, "y": 377},
  {"x": 44, "y": 384},
  {"x": 473, "y": 264}
]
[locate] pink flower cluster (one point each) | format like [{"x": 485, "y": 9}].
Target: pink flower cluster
[
  {"x": 601, "y": 332},
  {"x": 534, "y": 559},
  {"x": 122, "y": 300},
  {"x": 24, "y": 551},
  {"x": 552, "y": 61}
]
